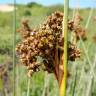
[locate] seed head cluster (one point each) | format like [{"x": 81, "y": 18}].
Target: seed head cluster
[
  {"x": 3, "y": 71},
  {"x": 42, "y": 43},
  {"x": 75, "y": 26}
]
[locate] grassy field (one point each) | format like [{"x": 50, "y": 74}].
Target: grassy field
[{"x": 42, "y": 83}]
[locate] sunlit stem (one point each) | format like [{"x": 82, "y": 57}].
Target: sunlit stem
[{"x": 65, "y": 59}]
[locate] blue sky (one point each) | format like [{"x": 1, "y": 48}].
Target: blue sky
[{"x": 73, "y": 3}]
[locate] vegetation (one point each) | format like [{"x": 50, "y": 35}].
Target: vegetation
[{"x": 82, "y": 71}]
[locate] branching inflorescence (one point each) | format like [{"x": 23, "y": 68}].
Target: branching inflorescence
[
  {"x": 42, "y": 43},
  {"x": 75, "y": 26}
]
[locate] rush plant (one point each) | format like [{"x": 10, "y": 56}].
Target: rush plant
[{"x": 47, "y": 48}]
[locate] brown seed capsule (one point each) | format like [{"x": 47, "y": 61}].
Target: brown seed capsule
[{"x": 43, "y": 43}]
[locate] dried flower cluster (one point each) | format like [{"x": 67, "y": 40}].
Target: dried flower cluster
[
  {"x": 4, "y": 76},
  {"x": 42, "y": 43},
  {"x": 5, "y": 68},
  {"x": 75, "y": 26},
  {"x": 3, "y": 71}
]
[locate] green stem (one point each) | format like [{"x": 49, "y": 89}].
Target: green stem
[
  {"x": 84, "y": 48},
  {"x": 74, "y": 84},
  {"x": 89, "y": 18},
  {"x": 65, "y": 35},
  {"x": 14, "y": 40},
  {"x": 65, "y": 31},
  {"x": 28, "y": 87}
]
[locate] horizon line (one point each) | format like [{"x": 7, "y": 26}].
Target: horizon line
[{"x": 70, "y": 5}]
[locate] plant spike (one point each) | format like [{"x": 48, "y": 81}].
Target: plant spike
[{"x": 65, "y": 55}]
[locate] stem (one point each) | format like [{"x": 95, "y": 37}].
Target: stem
[
  {"x": 89, "y": 18},
  {"x": 28, "y": 87},
  {"x": 84, "y": 47},
  {"x": 46, "y": 84},
  {"x": 89, "y": 87},
  {"x": 74, "y": 84},
  {"x": 65, "y": 35},
  {"x": 14, "y": 41}
]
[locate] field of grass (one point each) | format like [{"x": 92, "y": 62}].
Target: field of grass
[{"x": 82, "y": 71}]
